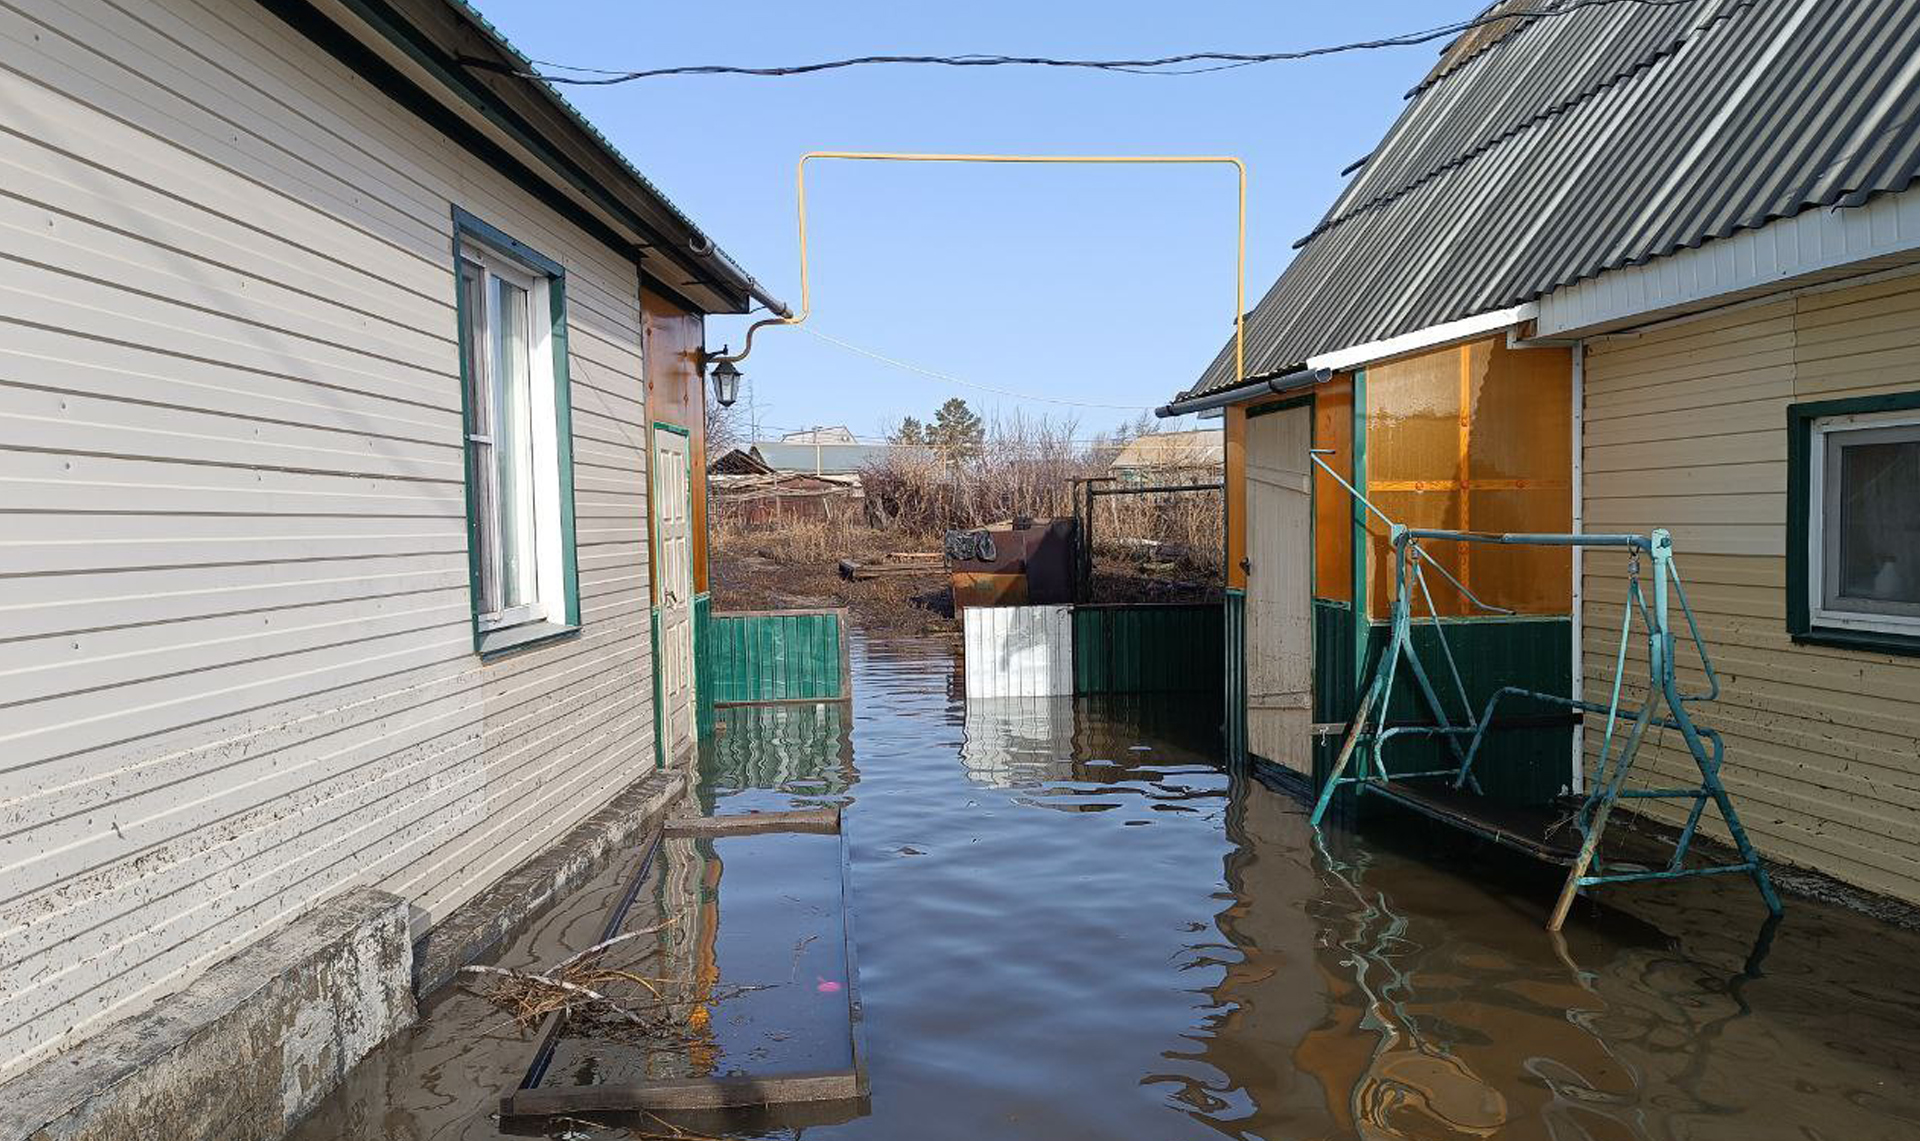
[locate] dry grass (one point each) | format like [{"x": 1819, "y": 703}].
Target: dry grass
[{"x": 1024, "y": 467}]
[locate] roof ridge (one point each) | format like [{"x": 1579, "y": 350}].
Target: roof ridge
[
  {"x": 1442, "y": 70},
  {"x": 1591, "y": 91}
]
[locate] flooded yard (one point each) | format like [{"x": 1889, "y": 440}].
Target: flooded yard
[{"x": 1074, "y": 922}]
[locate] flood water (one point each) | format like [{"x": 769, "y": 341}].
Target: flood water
[{"x": 1074, "y": 922}]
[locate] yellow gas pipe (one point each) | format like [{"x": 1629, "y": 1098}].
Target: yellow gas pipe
[{"x": 800, "y": 184}]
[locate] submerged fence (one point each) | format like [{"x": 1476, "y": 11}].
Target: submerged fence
[
  {"x": 779, "y": 655},
  {"x": 1042, "y": 651}
]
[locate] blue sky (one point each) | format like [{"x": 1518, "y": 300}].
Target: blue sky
[{"x": 1110, "y": 286}]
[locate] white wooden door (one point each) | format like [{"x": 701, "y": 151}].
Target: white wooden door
[
  {"x": 673, "y": 570},
  {"x": 1280, "y": 587}
]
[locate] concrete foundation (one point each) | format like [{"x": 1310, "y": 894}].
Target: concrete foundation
[
  {"x": 502, "y": 911},
  {"x": 249, "y": 1047},
  {"x": 244, "y": 1050}
]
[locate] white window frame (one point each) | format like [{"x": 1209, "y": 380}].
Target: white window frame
[
  {"x": 547, "y": 609},
  {"x": 1822, "y": 451}
]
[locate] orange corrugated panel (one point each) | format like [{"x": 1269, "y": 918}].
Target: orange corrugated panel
[{"x": 1475, "y": 437}]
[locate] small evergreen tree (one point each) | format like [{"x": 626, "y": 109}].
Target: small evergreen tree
[
  {"x": 910, "y": 431},
  {"x": 956, "y": 429}
]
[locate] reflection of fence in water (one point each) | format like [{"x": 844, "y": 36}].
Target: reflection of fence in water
[
  {"x": 790, "y": 747},
  {"x": 1014, "y": 742}
]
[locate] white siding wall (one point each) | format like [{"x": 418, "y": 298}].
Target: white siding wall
[
  {"x": 1686, "y": 429},
  {"x": 238, "y": 670}
]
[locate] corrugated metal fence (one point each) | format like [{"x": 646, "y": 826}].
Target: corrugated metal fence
[
  {"x": 1018, "y": 651},
  {"x": 1159, "y": 648},
  {"x": 779, "y": 655},
  {"x": 1045, "y": 651}
]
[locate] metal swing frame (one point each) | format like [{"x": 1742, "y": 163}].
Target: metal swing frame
[{"x": 1368, "y": 734}]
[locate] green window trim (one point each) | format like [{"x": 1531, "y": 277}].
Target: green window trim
[
  {"x": 492, "y": 643},
  {"x": 1800, "y": 421}
]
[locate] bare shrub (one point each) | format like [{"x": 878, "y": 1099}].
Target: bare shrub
[{"x": 1024, "y": 466}]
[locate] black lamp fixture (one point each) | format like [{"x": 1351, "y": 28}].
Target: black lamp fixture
[{"x": 726, "y": 380}]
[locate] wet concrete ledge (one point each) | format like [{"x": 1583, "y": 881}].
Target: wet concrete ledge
[
  {"x": 248, "y": 1048},
  {"x": 244, "y": 1050},
  {"x": 503, "y": 910}
]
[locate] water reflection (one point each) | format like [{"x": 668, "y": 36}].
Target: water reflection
[
  {"x": 1170, "y": 952},
  {"x": 1085, "y": 754}
]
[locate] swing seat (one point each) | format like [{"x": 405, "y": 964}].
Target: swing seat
[{"x": 1541, "y": 831}]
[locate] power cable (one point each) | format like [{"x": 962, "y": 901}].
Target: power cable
[{"x": 1209, "y": 61}]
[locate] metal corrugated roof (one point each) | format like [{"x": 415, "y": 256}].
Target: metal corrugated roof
[
  {"x": 1604, "y": 137},
  {"x": 716, "y": 260},
  {"x": 835, "y": 458}
]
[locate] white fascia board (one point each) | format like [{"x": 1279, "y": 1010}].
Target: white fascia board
[
  {"x": 1813, "y": 245},
  {"x": 1466, "y": 328}
]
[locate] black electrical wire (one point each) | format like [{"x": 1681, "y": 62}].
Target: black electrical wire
[{"x": 1163, "y": 65}]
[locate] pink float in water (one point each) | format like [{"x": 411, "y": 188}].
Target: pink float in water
[{"x": 827, "y": 986}]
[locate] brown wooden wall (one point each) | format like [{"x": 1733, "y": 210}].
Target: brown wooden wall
[{"x": 676, "y": 395}]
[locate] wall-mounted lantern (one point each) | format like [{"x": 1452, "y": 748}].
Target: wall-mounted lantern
[{"x": 726, "y": 382}]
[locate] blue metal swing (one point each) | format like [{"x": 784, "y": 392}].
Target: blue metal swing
[{"x": 1450, "y": 794}]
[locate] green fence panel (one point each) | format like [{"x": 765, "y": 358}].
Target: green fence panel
[
  {"x": 703, "y": 665},
  {"x": 1152, "y": 648},
  {"x": 1234, "y": 666},
  {"x": 1515, "y": 766},
  {"x": 785, "y": 655}
]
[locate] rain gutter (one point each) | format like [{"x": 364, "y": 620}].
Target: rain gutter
[{"x": 1285, "y": 382}]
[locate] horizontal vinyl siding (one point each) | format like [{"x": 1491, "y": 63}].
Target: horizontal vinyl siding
[
  {"x": 1686, "y": 429},
  {"x": 238, "y": 673}
]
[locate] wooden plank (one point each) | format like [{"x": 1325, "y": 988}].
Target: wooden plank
[
  {"x": 690, "y": 1093},
  {"x": 815, "y": 821},
  {"x": 849, "y": 1085}
]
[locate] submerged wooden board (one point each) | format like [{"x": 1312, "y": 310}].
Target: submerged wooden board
[
  {"x": 687, "y": 1093},
  {"x": 1539, "y": 831},
  {"x": 730, "y": 1092},
  {"x": 816, "y": 821}
]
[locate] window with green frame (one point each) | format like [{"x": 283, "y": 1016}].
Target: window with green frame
[
  {"x": 511, "y": 306},
  {"x": 1853, "y": 522}
]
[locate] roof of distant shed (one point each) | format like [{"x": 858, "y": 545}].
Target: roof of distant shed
[
  {"x": 1545, "y": 149},
  {"x": 1202, "y": 447},
  {"x": 829, "y": 458}
]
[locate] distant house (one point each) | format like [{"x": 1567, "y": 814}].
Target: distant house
[
  {"x": 770, "y": 498},
  {"x": 839, "y": 434},
  {"x": 823, "y": 457},
  {"x": 1171, "y": 455},
  {"x": 1616, "y": 268},
  {"x": 351, "y": 388}
]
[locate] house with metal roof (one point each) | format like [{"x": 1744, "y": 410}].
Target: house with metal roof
[
  {"x": 821, "y": 457},
  {"x": 350, "y": 405},
  {"x": 1616, "y": 268},
  {"x": 1154, "y": 454}
]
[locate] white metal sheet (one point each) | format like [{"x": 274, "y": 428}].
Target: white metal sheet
[{"x": 1018, "y": 651}]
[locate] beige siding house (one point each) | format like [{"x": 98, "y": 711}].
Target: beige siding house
[
  {"x": 324, "y": 460},
  {"x": 1619, "y": 268},
  {"x": 1686, "y": 427}
]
